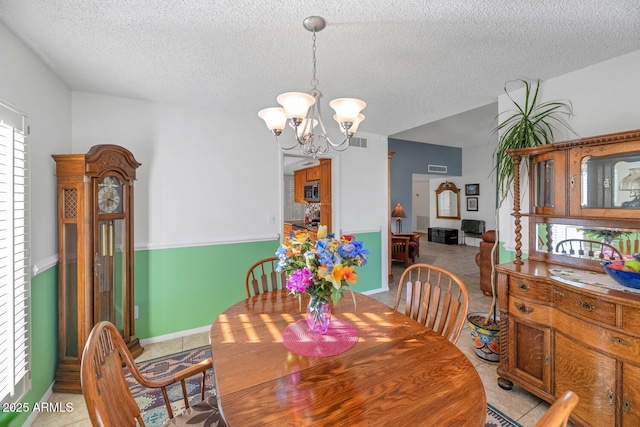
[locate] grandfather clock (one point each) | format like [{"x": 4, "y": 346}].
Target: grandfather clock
[{"x": 95, "y": 251}]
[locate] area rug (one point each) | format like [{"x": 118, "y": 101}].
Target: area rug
[
  {"x": 496, "y": 418},
  {"x": 152, "y": 404}
]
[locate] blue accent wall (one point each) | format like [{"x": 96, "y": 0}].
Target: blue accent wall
[{"x": 414, "y": 157}]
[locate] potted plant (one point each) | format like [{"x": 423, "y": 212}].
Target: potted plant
[{"x": 528, "y": 124}]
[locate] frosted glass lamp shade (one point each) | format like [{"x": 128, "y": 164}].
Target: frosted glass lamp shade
[
  {"x": 354, "y": 127},
  {"x": 347, "y": 109},
  {"x": 274, "y": 117},
  {"x": 296, "y": 104}
]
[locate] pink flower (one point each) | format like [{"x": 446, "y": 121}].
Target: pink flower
[{"x": 300, "y": 280}]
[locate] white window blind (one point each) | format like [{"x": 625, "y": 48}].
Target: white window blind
[{"x": 14, "y": 258}]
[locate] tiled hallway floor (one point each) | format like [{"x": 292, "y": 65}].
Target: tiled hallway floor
[{"x": 516, "y": 403}]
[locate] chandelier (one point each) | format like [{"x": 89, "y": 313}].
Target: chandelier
[{"x": 302, "y": 111}]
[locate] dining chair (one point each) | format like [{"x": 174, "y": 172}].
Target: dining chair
[
  {"x": 262, "y": 277},
  {"x": 588, "y": 248},
  {"x": 558, "y": 413},
  {"x": 106, "y": 393},
  {"x": 434, "y": 297}
]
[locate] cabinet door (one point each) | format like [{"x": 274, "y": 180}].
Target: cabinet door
[
  {"x": 299, "y": 178},
  {"x": 325, "y": 180},
  {"x": 325, "y": 216},
  {"x": 313, "y": 174},
  {"x": 529, "y": 352},
  {"x": 596, "y": 175},
  {"x": 630, "y": 395},
  {"x": 548, "y": 183},
  {"x": 589, "y": 374}
]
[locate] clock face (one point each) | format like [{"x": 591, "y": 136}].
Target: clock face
[{"x": 109, "y": 195}]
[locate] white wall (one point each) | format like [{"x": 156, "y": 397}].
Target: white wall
[
  {"x": 477, "y": 166},
  {"x": 208, "y": 176},
  {"x": 605, "y": 98},
  {"x": 30, "y": 86}
]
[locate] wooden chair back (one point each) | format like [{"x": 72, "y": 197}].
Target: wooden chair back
[
  {"x": 262, "y": 277},
  {"x": 104, "y": 386},
  {"x": 558, "y": 414},
  {"x": 400, "y": 249},
  {"x": 109, "y": 401},
  {"x": 629, "y": 244},
  {"x": 588, "y": 249},
  {"x": 434, "y": 297}
]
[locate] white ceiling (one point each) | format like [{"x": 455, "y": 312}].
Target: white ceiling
[{"x": 413, "y": 61}]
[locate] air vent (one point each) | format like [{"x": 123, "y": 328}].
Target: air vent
[
  {"x": 358, "y": 142},
  {"x": 436, "y": 169}
]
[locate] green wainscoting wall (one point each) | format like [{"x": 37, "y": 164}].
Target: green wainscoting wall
[
  {"x": 186, "y": 288},
  {"x": 175, "y": 290},
  {"x": 44, "y": 338}
]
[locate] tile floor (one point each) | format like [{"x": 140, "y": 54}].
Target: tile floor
[{"x": 516, "y": 403}]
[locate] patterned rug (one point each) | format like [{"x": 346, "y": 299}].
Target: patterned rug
[
  {"x": 496, "y": 418},
  {"x": 152, "y": 404}
]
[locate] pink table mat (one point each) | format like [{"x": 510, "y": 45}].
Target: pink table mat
[{"x": 340, "y": 337}]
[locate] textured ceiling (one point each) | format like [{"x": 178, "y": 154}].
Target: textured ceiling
[{"x": 413, "y": 62}]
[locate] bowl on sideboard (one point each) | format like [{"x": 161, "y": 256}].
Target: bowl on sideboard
[{"x": 630, "y": 279}]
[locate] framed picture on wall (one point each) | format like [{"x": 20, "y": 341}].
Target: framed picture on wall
[
  {"x": 472, "y": 203},
  {"x": 472, "y": 189}
]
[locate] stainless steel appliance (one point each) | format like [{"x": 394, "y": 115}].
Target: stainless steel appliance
[{"x": 312, "y": 191}]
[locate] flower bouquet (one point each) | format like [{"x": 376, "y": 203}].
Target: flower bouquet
[{"x": 323, "y": 269}]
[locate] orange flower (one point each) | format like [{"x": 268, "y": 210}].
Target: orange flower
[{"x": 349, "y": 275}]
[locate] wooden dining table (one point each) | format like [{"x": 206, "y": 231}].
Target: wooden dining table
[{"x": 398, "y": 372}]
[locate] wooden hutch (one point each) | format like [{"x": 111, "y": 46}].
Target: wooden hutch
[{"x": 565, "y": 325}]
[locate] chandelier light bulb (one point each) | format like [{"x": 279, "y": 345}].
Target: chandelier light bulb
[
  {"x": 347, "y": 109},
  {"x": 275, "y": 118},
  {"x": 296, "y": 104}
]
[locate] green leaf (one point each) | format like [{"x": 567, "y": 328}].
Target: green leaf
[{"x": 527, "y": 125}]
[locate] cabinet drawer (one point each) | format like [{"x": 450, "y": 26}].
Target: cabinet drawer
[
  {"x": 530, "y": 289},
  {"x": 631, "y": 319},
  {"x": 585, "y": 306}
]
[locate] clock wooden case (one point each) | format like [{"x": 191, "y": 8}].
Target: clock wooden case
[{"x": 95, "y": 250}]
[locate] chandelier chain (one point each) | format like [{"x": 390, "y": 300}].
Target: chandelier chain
[{"x": 314, "y": 80}]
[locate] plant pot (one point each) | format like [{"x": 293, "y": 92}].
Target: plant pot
[{"x": 486, "y": 338}]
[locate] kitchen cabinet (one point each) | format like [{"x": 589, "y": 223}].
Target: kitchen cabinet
[
  {"x": 287, "y": 232},
  {"x": 321, "y": 173},
  {"x": 565, "y": 325},
  {"x": 299, "y": 178},
  {"x": 313, "y": 173}
]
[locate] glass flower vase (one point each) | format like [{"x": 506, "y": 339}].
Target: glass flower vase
[{"x": 318, "y": 314}]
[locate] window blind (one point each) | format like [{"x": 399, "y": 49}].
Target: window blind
[{"x": 14, "y": 260}]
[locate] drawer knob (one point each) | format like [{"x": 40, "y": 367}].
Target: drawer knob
[
  {"x": 586, "y": 305},
  {"x": 611, "y": 397},
  {"x": 523, "y": 308},
  {"x": 620, "y": 341},
  {"x": 523, "y": 287},
  {"x": 626, "y": 406},
  {"x": 559, "y": 293}
]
